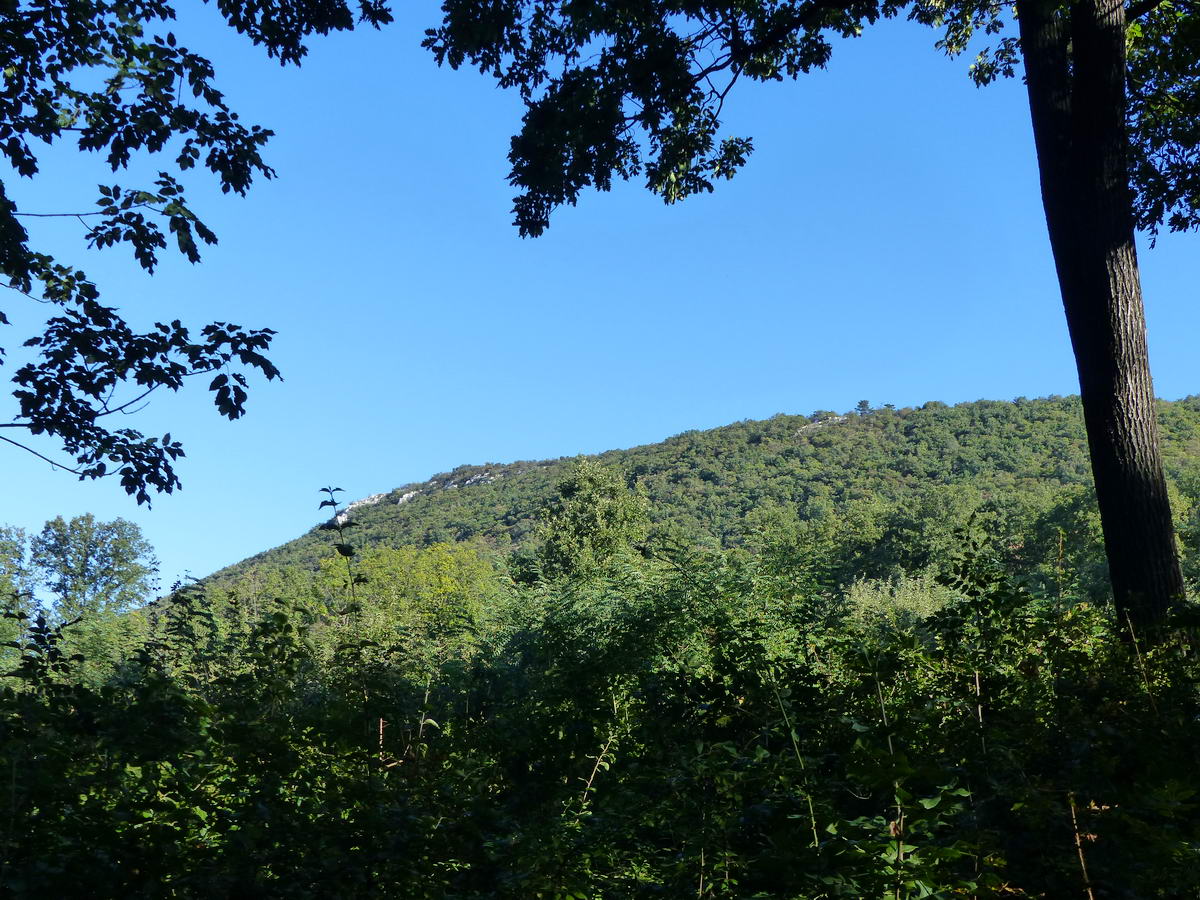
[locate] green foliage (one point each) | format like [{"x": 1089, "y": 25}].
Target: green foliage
[
  {"x": 884, "y": 492},
  {"x": 93, "y": 568},
  {"x": 16, "y": 590},
  {"x": 593, "y": 520},
  {"x": 427, "y": 605},
  {"x": 96, "y": 574},
  {"x": 16, "y": 575},
  {"x": 1162, "y": 48},
  {"x": 716, "y": 723},
  {"x": 898, "y": 603}
]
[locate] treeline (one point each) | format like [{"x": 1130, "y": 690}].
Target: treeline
[
  {"x": 607, "y": 714},
  {"x": 95, "y": 575},
  {"x": 910, "y": 478}
]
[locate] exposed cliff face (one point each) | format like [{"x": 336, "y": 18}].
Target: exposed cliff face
[
  {"x": 344, "y": 516},
  {"x": 462, "y": 477}
]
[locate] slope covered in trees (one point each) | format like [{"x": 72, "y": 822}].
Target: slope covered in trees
[
  {"x": 639, "y": 90},
  {"x": 612, "y": 717},
  {"x": 888, "y": 486}
]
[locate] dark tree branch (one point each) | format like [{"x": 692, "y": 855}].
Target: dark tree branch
[
  {"x": 1139, "y": 9},
  {"x": 106, "y": 411},
  {"x": 52, "y": 462},
  {"x": 109, "y": 74},
  {"x": 26, "y": 294},
  {"x": 79, "y": 215}
]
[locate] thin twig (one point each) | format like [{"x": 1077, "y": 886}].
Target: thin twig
[
  {"x": 612, "y": 735},
  {"x": 1137, "y": 651},
  {"x": 26, "y": 294},
  {"x": 1087, "y": 882},
  {"x": 812, "y": 815},
  {"x": 979, "y": 712},
  {"x": 898, "y": 825},
  {"x": 44, "y": 458},
  {"x": 80, "y": 215}
]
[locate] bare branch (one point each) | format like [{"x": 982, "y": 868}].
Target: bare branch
[
  {"x": 79, "y": 215},
  {"x": 52, "y": 462},
  {"x": 13, "y": 287},
  {"x": 142, "y": 396}
]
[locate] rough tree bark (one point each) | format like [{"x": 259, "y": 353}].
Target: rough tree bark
[{"x": 1075, "y": 71}]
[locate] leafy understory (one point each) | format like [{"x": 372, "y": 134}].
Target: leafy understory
[{"x": 606, "y": 715}]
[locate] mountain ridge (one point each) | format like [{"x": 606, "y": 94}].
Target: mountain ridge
[{"x": 713, "y": 486}]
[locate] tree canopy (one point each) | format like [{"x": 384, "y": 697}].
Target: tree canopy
[
  {"x": 93, "y": 568},
  {"x": 637, "y": 89},
  {"x": 115, "y": 80}
]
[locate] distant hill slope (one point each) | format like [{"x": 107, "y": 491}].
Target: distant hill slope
[{"x": 711, "y": 486}]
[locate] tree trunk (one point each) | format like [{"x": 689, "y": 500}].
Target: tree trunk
[{"x": 1075, "y": 72}]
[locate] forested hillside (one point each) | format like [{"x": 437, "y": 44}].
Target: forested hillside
[
  {"x": 613, "y": 713},
  {"x": 889, "y": 486}
]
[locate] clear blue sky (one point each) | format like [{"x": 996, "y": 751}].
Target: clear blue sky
[{"x": 885, "y": 242}]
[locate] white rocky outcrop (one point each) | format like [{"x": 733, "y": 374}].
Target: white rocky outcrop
[
  {"x": 832, "y": 420},
  {"x": 344, "y": 516}
]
